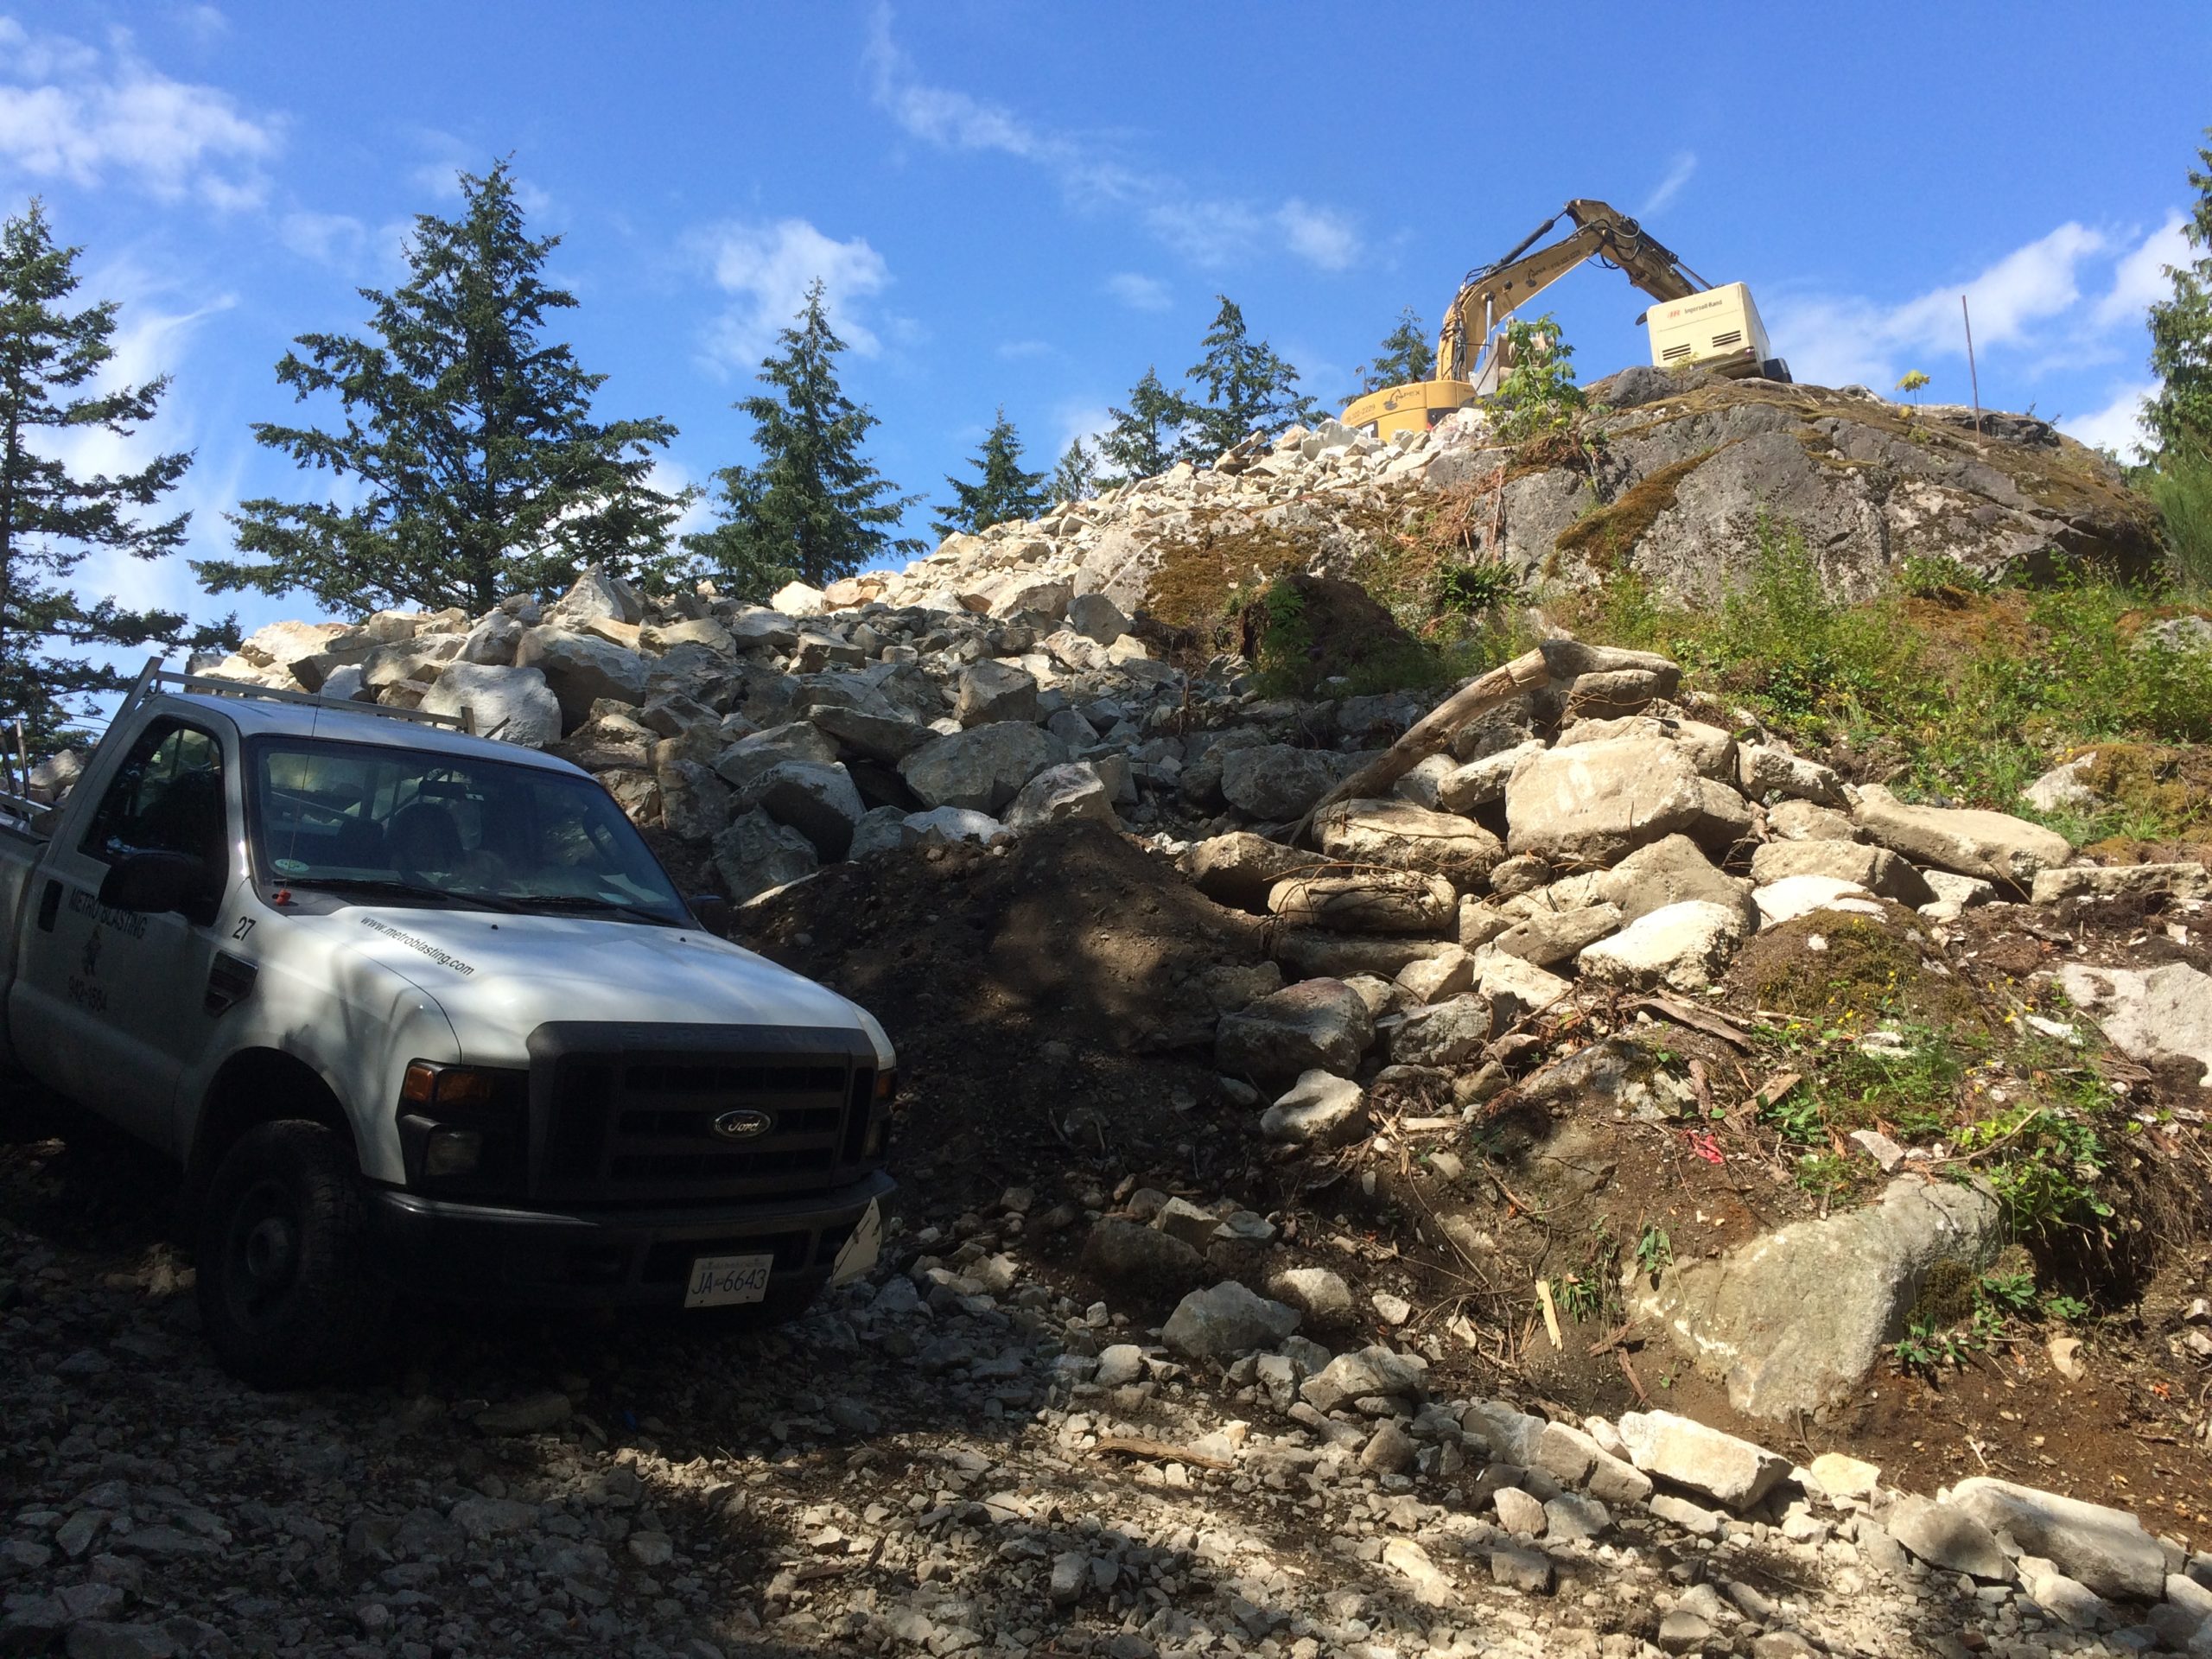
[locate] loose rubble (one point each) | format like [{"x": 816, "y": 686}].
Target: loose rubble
[{"x": 1099, "y": 1416}]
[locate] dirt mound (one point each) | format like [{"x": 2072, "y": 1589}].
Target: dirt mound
[{"x": 1048, "y": 999}]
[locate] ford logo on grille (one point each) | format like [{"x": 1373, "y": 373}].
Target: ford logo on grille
[{"x": 743, "y": 1126}]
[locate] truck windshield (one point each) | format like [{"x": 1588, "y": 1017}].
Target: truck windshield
[{"x": 444, "y": 829}]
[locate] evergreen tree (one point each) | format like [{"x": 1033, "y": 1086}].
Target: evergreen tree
[
  {"x": 1405, "y": 356},
  {"x": 813, "y": 509},
  {"x": 481, "y": 471},
  {"x": 2180, "y": 413},
  {"x": 1001, "y": 491},
  {"x": 50, "y": 517},
  {"x": 1076, "y": 479},
  {"x": 1249, "y": 386},
  {"x": 1147, "y": 437}
]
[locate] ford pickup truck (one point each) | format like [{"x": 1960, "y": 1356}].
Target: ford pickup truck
[{"x": 417, "y": 1012}]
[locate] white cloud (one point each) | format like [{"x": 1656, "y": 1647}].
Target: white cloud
[
  {"x": 2118, "y": 425},
  {"x": 672, "y": 477},
  {"x": 1208, "y": 230},
  {"x": 326, "y": 238},
  {"x": 768, "y": 267},
  {"x": 2140, "y": 278},
  {"x": 1320, "y": 236},
  {"x": 1137, "y": 292},
  {"x": 1017, "y": 351},
  {"x": 1073, "y": 420},
  {"x": 1678, "y": 174},
  {"x": 1836, "y": 342},
  {"x": 72, "y": 112}
]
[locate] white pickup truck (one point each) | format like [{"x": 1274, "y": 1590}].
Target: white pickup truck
[{"x": 420, "y": 1012}]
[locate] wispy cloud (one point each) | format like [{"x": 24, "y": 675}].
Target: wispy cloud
[
  {"x": 1139, "y": 293},
  {"x": 767, "y": 267},
  {"x": 1020, "y": 350},
  {"x": 326, "y": 238},
  {"x": 1678, "y": 174},
  {"x": 86, "y": 114},
  {"x": 1837, "y": 340},
  {"x": 2118, "y": 425},
  {"x": 1209, "y": 230},
  {"x": 2140, "y": 277}
]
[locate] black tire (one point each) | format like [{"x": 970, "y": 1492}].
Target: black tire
[{"x": 287, "y": 1294}]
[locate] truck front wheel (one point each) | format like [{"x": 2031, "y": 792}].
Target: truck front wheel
[{"x": 287, "y": 1295}]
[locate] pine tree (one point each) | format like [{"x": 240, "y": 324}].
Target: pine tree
[
  {"x": 813, "y": 509},
  {"x": 1146, "y": 438},
  {"x": 481, "y": 471},
  {"x": 51, "y": 518},
  {"x": 1003, "y": 491},
  {"x": 1405, "y": 356},
  {"x": 1075, "y": 478},
  {"x": 1249, "y": 386},
  {"x": 2180, "y": 413}
]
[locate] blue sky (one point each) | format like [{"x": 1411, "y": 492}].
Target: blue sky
[{"x": 1026, "y": 205}]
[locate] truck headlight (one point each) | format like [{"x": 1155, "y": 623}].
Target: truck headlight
[
  {"x": 879, "y": 1113},
  {"x": 464, "y": 1127}
]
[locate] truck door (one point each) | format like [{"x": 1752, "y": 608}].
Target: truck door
[{"x": 109, "y": 1004}]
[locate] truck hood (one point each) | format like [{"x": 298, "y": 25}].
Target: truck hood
[{"x": 498, "y": 976}]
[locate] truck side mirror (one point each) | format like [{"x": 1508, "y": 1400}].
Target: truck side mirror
[
  {"x": 154, "y": 882},
  {"x": 713, "y": 912}
]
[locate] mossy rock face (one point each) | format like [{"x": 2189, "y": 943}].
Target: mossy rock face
[
  {"x": 1946, "y": 1294},
  {"x": 1685, "y": 476},
  {"x": 1306, "y": 629}
]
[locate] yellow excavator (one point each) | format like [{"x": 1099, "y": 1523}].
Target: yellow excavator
[{"x": 1716, "y": 329}]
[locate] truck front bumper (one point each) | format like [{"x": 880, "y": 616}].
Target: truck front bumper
[{"x": 578, "y": 1258}]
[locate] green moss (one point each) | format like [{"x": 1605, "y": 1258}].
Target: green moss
[
  {"x": 1946, "y": 1296},
  {"x": 1606, "y": 540}
]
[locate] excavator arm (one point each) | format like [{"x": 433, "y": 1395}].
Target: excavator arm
[{"x": 1492, "y": 293}]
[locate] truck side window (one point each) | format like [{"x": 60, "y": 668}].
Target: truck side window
[{"x": 167, "y": 797}]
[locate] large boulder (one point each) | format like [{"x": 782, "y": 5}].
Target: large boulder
[
  {"x": 758, "y": 752},
  {"x": 1240, "y": 869},
  {"x": 512, "y": 704},
  {"x": 1402, "y": 835},
  {"x": 1994, "y": 846},
  {"x": 1276, "y": 783},
  {"x": 1730, "y": 1470},
  {"x": 1875, "y": 869},
  {"x": 582, "y": 668},
  {"x": 887, "y": 737},
  {"x": 1450, "y": 1032},
  {"x": 1683, "y": 947},
  {"x": 1226, "y": 1321},
  {"x": 1059, "y": 794},
  {"x": 1317, "y": 1024},
  {"x": 983, "y": 767},
  {"x": 1793, "y": 1320},
  {"x": 1379, "y": 901},
  {"x": 597, "y": 597},
  {"x": 1947, "y": 1537},
  {"x": 1551, "y": 937},
  {"x": 1593, "y": 803},
  {"x": 1671, "y": 871},
  {"x": 754, "y": 853},
  {"x": 991, "y": 691},
  {"x": 2105, "y": 1548},
  {"x": 818, "y": 801},
  {"x": 2155, "y": 1013},
  {"x": 1319, "y": 1109}
]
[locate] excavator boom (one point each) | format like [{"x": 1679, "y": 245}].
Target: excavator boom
[
  {"x": 1489, "y": 296},
  {"x": 1468, "y": 358}
]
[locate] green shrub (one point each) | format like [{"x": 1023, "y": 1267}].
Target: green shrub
[{"x": 2180, "y": 486}]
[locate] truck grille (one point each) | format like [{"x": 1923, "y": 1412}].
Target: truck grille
[{"x": 653, "y": 1114}]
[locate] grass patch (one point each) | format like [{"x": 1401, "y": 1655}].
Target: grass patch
[{"x": 1951, "y": 691}]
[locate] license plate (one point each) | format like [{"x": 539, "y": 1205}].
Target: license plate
[{"x": 722, "y": 1281}]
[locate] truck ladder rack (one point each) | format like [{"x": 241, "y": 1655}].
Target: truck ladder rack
[{"x": 154, "y": 678}]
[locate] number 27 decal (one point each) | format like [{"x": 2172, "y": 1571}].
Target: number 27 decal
[{"x": 244, "y": 927}]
